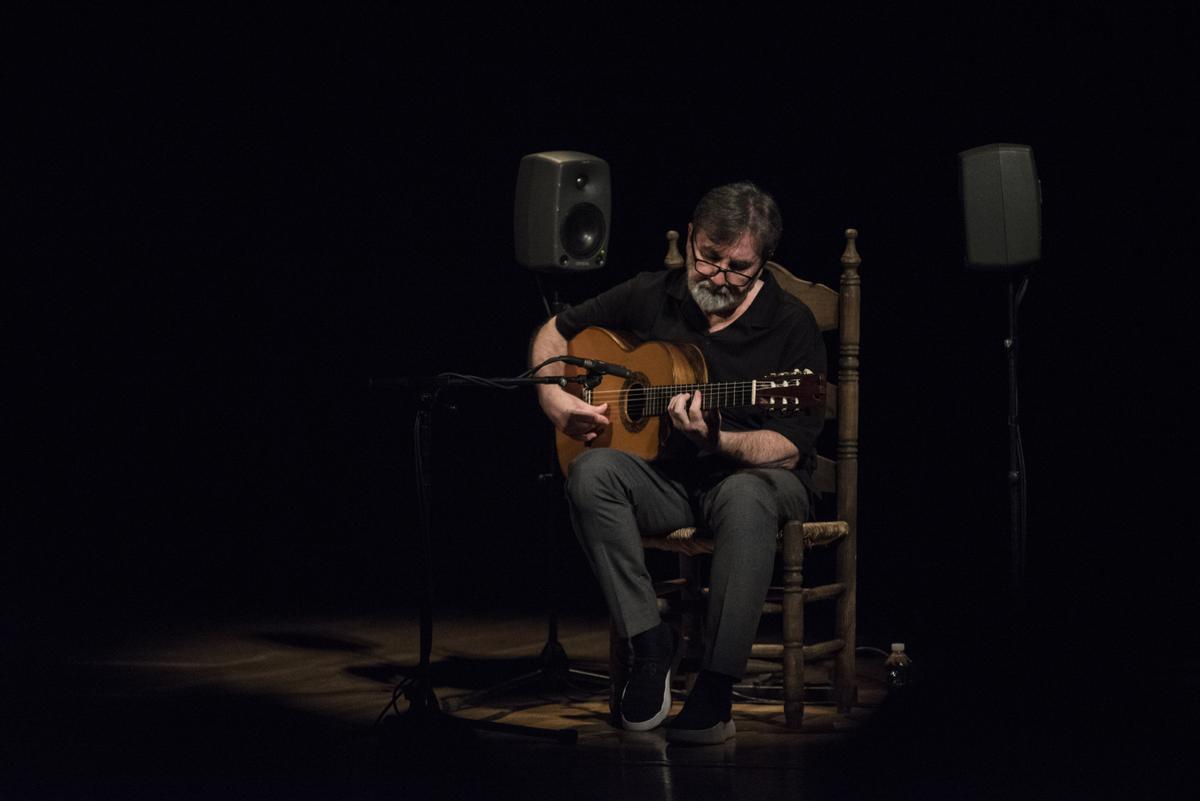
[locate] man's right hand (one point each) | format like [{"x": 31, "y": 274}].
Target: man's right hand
[
  {"x": 575, "y": 417},
  {"x": 569, "y": 413}
]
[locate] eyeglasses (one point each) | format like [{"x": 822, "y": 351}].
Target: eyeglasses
[{"x": 708, "y": 269}]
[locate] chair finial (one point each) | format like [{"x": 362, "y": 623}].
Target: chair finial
[
  {"x": 850, "y": 258},
  {"x": 674, "y": 258}
]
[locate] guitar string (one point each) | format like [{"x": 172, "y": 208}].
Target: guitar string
[
  {"x": 678, "y": 389},
  {"x": 656, "y": 397},
  {"x": 655, "y": 387},
  {"x": 730, "y": 393},
  {"x": 709, "y": 390}
]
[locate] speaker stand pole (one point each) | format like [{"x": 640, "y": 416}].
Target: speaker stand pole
[{"x": 1016, "y": 455}]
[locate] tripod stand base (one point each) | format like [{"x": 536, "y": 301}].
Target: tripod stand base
[{"x": 554, "y": 675}]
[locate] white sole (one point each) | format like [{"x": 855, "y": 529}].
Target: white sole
[
  {"x": 714, "y": 735},
  {"x": 659, "y": 717}
]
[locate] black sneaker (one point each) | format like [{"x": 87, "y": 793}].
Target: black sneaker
[
  {"x": 706, "y": 717},
  {"x": 646, "y": 699}
]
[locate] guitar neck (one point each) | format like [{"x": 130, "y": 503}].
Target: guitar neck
[{"x": 724, "y": 395}]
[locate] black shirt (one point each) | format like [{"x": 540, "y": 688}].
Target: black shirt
[{"x": 778, "y": 332}]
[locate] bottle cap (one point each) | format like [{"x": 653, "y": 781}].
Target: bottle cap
[{"x": 898, "y": 646}]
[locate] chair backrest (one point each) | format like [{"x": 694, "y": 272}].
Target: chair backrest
[{"x": 834, "y": 310}]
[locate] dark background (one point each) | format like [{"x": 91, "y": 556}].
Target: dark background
[{"x": 228, "y": 221}]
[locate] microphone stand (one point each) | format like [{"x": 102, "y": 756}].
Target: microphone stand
[{"x": 424, "y": 711}]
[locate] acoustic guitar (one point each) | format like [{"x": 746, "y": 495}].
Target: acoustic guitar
[{"x": 637, "y": 405}]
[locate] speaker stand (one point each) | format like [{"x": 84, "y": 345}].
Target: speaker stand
[{"x": 1016, "y": 455}]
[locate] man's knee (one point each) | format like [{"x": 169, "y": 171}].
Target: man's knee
[
  {"x": 748, "y": 490},
  {"x": 765, "y": 494},
  {"x": 593, "y": 471}
]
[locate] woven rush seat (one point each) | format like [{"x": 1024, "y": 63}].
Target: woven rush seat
[{"x": 692, "y": 540}]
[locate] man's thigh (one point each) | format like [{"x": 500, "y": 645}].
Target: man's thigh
[
  {"x": 606, "y": 477},
  {"x": 768, "y": 494}
]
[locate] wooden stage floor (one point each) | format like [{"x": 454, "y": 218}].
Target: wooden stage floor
[{"x": 287, "y": 707}]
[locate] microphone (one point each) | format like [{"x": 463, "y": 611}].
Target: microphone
[{"x": 597, "y": 366}]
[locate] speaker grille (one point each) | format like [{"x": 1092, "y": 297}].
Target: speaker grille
[{"x": 1001, "y": 202}]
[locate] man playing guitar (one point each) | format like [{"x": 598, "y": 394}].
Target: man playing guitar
[{"x": 739, "y": 473}]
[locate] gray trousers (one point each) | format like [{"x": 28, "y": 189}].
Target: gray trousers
[{"x": 615, "y": 498}]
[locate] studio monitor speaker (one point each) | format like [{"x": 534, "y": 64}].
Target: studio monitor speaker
[
  {"x": 1002, "y": 206},
  {"x": 562, "y": 210}
]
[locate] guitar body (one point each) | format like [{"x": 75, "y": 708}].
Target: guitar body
[{"x": 653, "y": 364}]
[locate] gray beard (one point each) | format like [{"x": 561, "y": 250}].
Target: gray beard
[{"x": 713, "y": 299}]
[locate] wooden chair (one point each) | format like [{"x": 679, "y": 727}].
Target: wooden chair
[{"x": 836, "y": 311}]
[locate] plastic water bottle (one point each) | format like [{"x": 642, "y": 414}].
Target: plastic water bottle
[{"x": 899, "y": 667}]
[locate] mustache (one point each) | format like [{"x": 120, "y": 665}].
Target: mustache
[{"x": 712, "y": 289}]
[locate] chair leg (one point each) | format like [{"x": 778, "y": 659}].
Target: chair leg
[
  {"x": 845, "y": 678},
  {"x": 793, "y": 625},
  {"x": 691, "y": 624}
]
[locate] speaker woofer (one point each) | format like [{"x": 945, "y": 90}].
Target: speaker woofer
[{"x": 582, "y": 231}]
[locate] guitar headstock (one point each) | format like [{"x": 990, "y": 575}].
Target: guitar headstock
[{"x": 792, "y": 391}]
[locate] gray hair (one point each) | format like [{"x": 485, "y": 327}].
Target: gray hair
[{"x": 725, "y": 213}]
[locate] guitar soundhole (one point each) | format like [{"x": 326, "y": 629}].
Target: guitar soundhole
[{"x": 633, "y": 409}]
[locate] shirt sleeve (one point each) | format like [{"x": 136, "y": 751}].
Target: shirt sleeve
[
  {"x": 804, "y": 348},
  {"x": 806, "y": 351},
  {"x": 614, "y": 308}
]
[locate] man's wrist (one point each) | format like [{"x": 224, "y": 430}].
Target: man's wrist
[
  {"x": 550, "y": 398},
  {"x": 711, "y": 446}
]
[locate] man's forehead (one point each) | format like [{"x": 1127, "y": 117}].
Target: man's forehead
[{"x": 743, "y": 248}]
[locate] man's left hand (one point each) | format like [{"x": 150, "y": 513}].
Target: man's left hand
[{"x": 701, "y": 427}]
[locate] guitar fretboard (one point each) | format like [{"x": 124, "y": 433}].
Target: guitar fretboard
[{"x": 654, "y": 400}]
